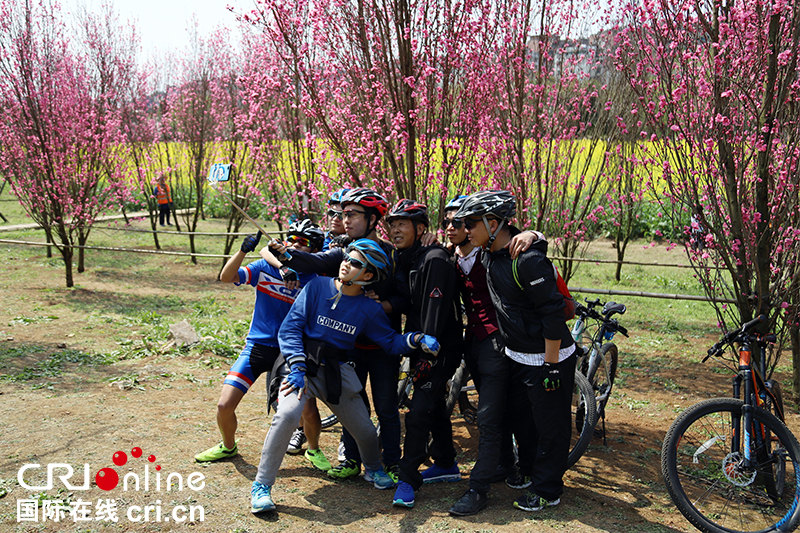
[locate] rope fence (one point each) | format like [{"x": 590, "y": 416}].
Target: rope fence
[
  {"x": 641, "y": 294},
  {"x": 615, "y": 262},
  {"x": 114, "y": 249}
]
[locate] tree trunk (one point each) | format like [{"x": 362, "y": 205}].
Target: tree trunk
[{"x": 66, "y": 255}]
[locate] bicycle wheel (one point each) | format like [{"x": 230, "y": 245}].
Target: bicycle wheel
[
  {"x": 404, "y": 382},
  {"x": 602, "y": 374},
  {"x": 584, "y": 416},
  {"x": 454, "y": 386},
  {"x": 702, "y": 465}
]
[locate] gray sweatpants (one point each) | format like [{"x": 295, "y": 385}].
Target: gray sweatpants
[{"x": 350, "y": 411}]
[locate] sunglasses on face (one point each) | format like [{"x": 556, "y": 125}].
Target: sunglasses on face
[
  {"x": 470, "y": 223},
  {"x": 457, "y": 223},
  {"x": 295, "y": 239},
  {"x": 351, "y": 213},
  {"x": 335, "y": 214},
  {"x": 358, "y": 263}
]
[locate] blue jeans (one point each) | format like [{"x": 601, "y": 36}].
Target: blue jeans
[{"x": 383, "y": 370}]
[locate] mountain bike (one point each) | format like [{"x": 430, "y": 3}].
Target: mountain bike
[
  {"x": 730, "y": 464},
  {"x": 597, "y": 359}
]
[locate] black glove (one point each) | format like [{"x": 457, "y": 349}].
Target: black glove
[
  {"x": 340, "y": 241},
  {"x": 423, "y": 369},
  {"x": 250, "y": 242},
  {"x": 551, "y": 377},
  {"x": 287, "y": 274}
]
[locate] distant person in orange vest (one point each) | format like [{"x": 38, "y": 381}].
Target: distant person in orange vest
[{"x": 164, "y": 196}]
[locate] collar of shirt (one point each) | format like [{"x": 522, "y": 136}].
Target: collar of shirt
[{"x": 468, "y": 261}]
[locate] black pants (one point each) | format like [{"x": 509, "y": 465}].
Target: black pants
[
  {"x": 428, "y": 416},
  {"x": 491, "y": 373},
  {"x": 163, "y": 212},
  {"x": 551, "y": 430}
]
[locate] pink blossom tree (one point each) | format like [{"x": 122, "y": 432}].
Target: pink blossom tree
[
  {"x": 547, "y": 141},
  {"x": 60, "y": 129},
  {"x": 719, "y": 90},
  {"x": 385, "y": 87},
  {"x": 191, "y": 127}
]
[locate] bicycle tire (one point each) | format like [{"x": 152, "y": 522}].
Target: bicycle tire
[
  {"x": 584, "y": 418},
  {"x": 454, "y": 386},
  {"x": 774, "y": 477},
  {"x": 404, "y": 383},
  {"x": 602, "y": 375},
  {"x": 705, "y": 481}
]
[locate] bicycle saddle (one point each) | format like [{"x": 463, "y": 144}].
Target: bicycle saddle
[{"x": 613, "y": 307}]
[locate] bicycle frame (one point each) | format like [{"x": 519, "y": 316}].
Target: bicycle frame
[
  {"x": 587, "y": 360},
  {"x": 750, "y": 378}
]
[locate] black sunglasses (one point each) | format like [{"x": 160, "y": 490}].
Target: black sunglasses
[
  {"x": 470, "y": 223},
  {"x": 335, "y": 213},
  {"x": 455, "y": 222},
  {"x": 353, "y": 261}
]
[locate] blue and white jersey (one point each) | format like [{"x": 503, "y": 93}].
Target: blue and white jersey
[
  {"x": 273, "y": 300},
  {"x": 311, "y": 315}
]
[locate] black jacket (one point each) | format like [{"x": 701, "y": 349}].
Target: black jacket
[
  {"x": 527, "y": 317},
  {"x": 433, "y": 284}
]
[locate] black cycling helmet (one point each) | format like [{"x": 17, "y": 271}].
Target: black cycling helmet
[
  {"x": 309, "y": 230},
  {"x": 378, "y": 261},
  {"x": 367, "y": 198},
  {"x": 492, "y": 204},
  {"x": 414, "y": 211},
  {"x": 489, "y": 204}
]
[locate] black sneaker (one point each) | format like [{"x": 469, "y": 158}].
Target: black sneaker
[
  {"x": 296, "y": 442},
  {"x": 518, "y": 481},
  {"x": 534, "y": 502},
  {"x": 469, "y": 504}
]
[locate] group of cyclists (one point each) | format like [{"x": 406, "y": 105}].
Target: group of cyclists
[{"x": 328, "y": 314}]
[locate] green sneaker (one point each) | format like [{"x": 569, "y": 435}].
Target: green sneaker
[
  {"x": 215, "y": 453},
  {"x": 318, "y": 459},
  {"x": 345, "y": 470},
  {"x": 393, "y": 471}
]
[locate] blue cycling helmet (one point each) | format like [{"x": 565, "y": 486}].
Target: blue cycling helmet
[
  {"x": 336, "y": 197},
  {"x": 377, "y": 260},
  {"x": 456, "y": 202}
]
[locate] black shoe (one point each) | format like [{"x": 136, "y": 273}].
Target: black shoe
[
  {"x": 470, "y": 503},
  {"x": 518, "y": 481},
  {"x": 502, "y": 472}
]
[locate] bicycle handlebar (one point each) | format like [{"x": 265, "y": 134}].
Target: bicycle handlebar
[{"x": 731, "y": 336}]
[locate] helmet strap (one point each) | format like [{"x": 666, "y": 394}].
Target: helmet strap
[
  {"x": 492, "y": 236},
  {"x": 368, "y": 212}
]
